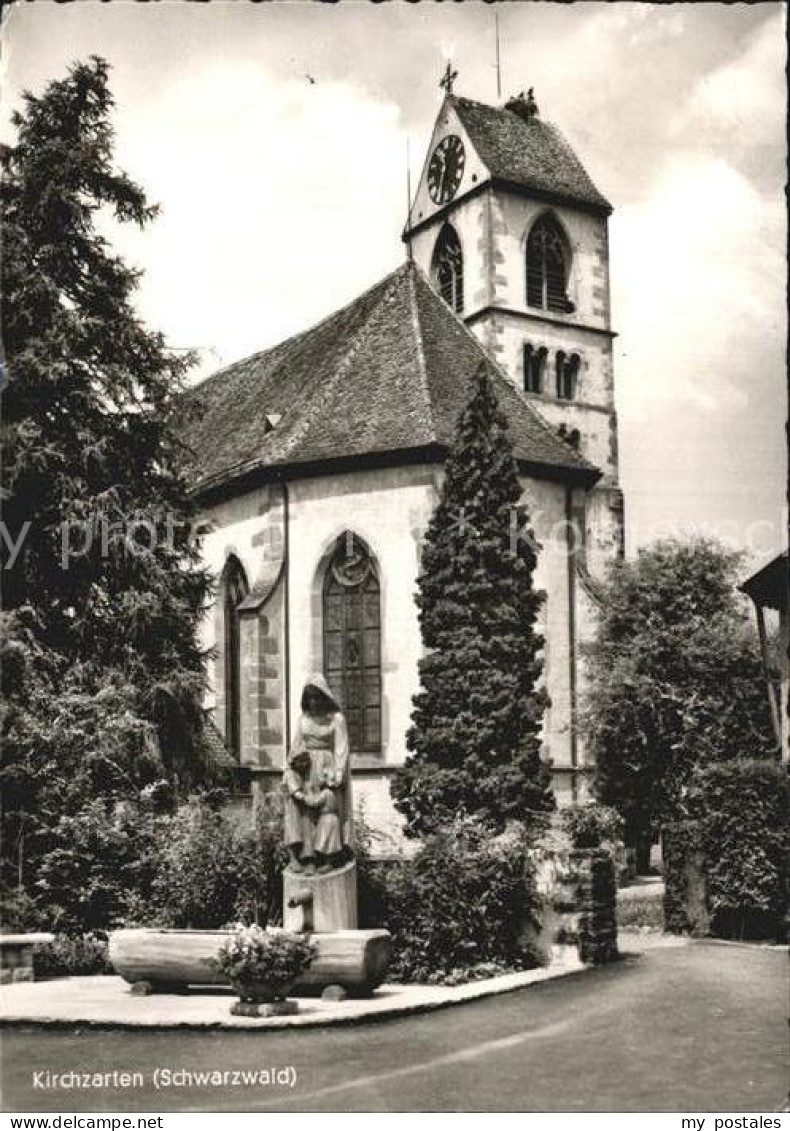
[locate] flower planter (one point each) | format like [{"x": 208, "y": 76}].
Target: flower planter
[
  {"x": 262, "y": 999},
  {"x": 263, "y": 991},
  {"x": 262, "y": 966}
]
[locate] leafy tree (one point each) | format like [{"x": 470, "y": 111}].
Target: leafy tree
[
  {"x": 477, "y": 719},
  {"x": 102, "y": 583},
  {"x": 674, "y": 680}
]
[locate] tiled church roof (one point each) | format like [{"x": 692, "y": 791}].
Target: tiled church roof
[
  {"x": 389, "y": 373},
  {"x": 530, "y": 153}
]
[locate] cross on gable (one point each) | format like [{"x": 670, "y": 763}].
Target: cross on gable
[{"x": 448, "y": 78}]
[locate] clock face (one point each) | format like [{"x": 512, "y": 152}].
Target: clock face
[{"x": 446, "y": 169}]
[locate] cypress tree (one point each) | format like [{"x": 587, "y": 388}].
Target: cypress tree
[{"x": 477, "y": 718}]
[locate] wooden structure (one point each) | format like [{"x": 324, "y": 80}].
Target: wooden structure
[
  {"x": 169, "y": 961},
  {"x": 769, "y": 588},
  {"x": 320, "y": 902}
]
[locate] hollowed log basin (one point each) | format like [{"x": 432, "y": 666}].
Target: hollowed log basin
[{"x": 171, "y": 960}]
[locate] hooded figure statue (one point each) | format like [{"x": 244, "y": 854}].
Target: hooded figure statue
[{"x": 317, "y": 783}]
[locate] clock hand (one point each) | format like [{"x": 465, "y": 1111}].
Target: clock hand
[
  {"x": 442, "y": 166},
  {"x": 447, "y": 176}
]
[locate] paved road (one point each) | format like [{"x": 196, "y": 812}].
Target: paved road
[{"x": 696, "y": 1028}]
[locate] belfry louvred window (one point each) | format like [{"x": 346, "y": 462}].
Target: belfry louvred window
[
  {"x": 547, "y": 267},
  {"x": 567, "y": 371},
  {"x": 447, "y": 268},
  {"x": 534, "y": 368},
  {"x": 352, "y": 641},
  {"x": 234, "y": 589}
]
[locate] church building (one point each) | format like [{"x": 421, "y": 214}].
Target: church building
[{"x": 318, "y": 461}]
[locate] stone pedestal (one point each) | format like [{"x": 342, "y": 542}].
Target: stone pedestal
[
  {"x": 685, "y": 880},
  {"x": 585, "y": 903},
  {"x": 320, "y": 902},
  {"x": 16, "y": 956}
]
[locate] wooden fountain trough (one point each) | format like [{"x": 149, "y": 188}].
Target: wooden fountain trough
[{"x": 168, "y": 961}]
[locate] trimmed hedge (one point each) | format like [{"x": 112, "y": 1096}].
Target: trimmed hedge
[
  {"x": 746, "y": 845},
  {"x": 730, "y": 861},
  {"x": 681, "y": 848}
]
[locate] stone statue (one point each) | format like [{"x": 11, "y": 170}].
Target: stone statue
[{"x": 317, "y": 784}]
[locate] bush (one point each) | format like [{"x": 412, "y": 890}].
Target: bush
[
  {"x": 18, "y": 912},
  {"x": 464, "y": 906},
  {"x": 100, "y": 857},
  {"x": 640, "y": 914},
  {"x": 746, "y": 839},
  {"x": 209, "y": 873},
  {"x": 591, "y": 826},
  {"x": 69, "y": 956},
  {"x": 116, "y": 864}
]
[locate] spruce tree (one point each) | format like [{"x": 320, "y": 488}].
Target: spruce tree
[
  {"x": 477, "y": 718},
  {"x": 102, "y": 583}
]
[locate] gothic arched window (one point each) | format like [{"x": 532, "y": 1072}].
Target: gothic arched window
[
  {"x": 352, "y": 640},
  {"x": 234, "y": 590},
  {"x": 447, "y": 268},
  {"x": 567, "y": 375},
  {"x": 534, "y": 368},
  {"x": 547, "y": 267}
]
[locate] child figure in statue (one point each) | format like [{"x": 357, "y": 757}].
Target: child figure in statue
[
  {"x": 326, "y": 807},
  {"x": 299, "y": 824},
  {"x": 318, "y": 813}
]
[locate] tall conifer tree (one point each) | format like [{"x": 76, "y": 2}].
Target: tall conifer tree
[
  {"x": 102, "y": 583},
  {"x": 477, "y": 718}
]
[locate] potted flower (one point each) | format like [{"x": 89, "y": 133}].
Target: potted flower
[{"x": 264, "y": 965}]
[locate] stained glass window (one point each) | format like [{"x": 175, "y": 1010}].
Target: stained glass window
[
  {"x": 352, "y": 641},
  {"x": 235, "y": 589}
]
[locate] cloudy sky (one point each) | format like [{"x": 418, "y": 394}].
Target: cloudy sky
[{"x": 283, "y": 197}]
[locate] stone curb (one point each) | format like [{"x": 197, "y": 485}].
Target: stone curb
[
  {"x": 351, "y": 1012},
  {"x": 754, "y": 945}
]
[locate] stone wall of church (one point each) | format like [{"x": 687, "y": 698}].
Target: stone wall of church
[
  {"x": 592, "y": 410},
  {"x": 389, "y": 510},
  {"x": 250, "y": 528},
  {"x": 470, "y": 218},
  {"x": 547, "y": 506}
]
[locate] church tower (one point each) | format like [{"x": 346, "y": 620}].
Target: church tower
[{"x": 513, "y": 234}]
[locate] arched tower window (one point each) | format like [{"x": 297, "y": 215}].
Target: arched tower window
[
  {"x": 352, "y": 640},
  {"x": 234, "y": 590},
  {"x": 534, "y": 368},
  {"x": 447, "y": 268},
  {"x": 567, "y": 375},
  {"x": 548, "y": 264}
]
